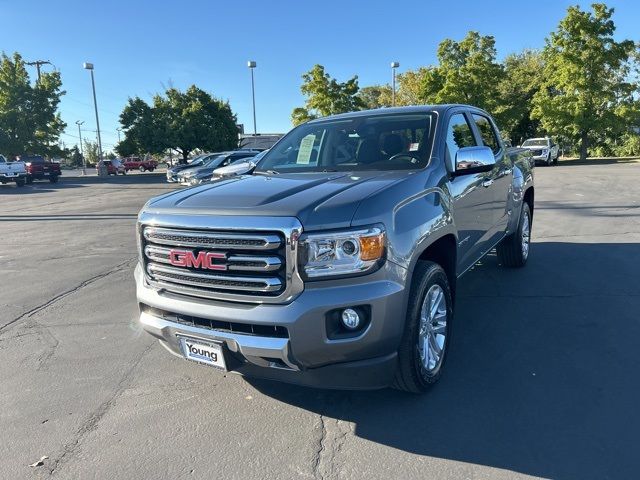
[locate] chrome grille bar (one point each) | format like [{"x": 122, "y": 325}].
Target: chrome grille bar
[
  {"x": 246, "y": 263},
  {"x": 194, "y": 238},
  {"x": 181, "y": 276}
]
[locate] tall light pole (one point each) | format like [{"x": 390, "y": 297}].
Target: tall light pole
[
  {"x": 101, "y": 170},
  {"x": 394, "y": 65},
  {"x": 251, "y": 64},
  {"x": 84, "y": 163}
]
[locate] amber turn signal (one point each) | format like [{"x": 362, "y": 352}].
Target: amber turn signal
[{"x": 372, "y": 248}]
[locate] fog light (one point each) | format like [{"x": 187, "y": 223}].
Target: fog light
[{"x": 350, "y": 318}]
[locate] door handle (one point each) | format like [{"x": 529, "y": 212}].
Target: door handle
[{"x": 487, "y": 183}]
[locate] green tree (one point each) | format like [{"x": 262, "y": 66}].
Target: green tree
[
  {"x": 521, "y": 81},
  {"x": 408, "y": 90},
  {"x": 375, "y": 96},
  {"x": 29, "y": 118},
  {"x": 90, "y": 150},
  {"x": 586, "y": 90},
  {"x": 75, "y": 157},
  {"x": 326, "y": 96},
  {"x": 467, "y": 72},
  {"x": 183, "y": 121}
]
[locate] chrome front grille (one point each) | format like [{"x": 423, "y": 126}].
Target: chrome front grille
[{"x": 245, "y": 266}]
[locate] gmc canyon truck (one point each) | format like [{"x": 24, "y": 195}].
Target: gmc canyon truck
[{"x": 335, "y": 264}]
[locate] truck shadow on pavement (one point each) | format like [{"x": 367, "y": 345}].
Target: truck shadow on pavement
[{"x": 542, "y": 377}]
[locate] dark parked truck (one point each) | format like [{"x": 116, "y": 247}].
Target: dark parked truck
[
  {"x": 40, "y": 169},
  {"x": 335, "y": 264}
]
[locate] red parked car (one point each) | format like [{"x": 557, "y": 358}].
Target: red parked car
[
  {"x": 114, "y": 167},
  {"x": 136, "y": 163},
  {"x": 40, "y": 169}
]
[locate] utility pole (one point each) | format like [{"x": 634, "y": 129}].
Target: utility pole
[
  {"x": 118, "y": 130},
  {"x": 84, "y": 163},
  {"x": 38, "y": 64}
]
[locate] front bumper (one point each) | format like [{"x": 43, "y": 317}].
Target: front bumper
[
  {"x": 307, "y": 356},
  {"x": 13, "y": 175}
]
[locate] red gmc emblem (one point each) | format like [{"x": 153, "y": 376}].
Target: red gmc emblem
[{"x": 186, "y": 258}]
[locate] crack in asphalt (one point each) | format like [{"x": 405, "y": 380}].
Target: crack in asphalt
[
  {"x": 91, "y": 423},
  {"x": 62, "y": 295},
  {"x": 333, "y": 435}
]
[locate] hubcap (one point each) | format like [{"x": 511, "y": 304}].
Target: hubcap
[
  {"x": 526, "y": 234},
  {"x": 433, "y": 329}
]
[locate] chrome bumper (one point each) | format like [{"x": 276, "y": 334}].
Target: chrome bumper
[{"x": 254, "y": 349}]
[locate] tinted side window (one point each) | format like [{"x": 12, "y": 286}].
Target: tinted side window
[
  {"x": 459, "y": 135},
  {"x": 489, "y": 137}
]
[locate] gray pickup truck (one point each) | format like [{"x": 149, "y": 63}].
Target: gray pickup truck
[{"x": 335, "y": 264}]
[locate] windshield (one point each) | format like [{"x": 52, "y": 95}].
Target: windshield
[
  {"x": 376, "y": 142},
  {"x": 214, "y": 161},
  {"x": 536, "y": 142}
]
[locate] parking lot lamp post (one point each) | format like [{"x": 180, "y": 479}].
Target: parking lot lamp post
[
  {"x": 102, "y": 170},
  {"x": 251, "y": 64},
  {"x": 84, "y": 163},
  {"x": 394, "y": 65}
]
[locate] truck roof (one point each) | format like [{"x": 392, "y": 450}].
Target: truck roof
[{"x": 387, "y": 110}]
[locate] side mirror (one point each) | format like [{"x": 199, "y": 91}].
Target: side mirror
[{"x": 474, "y": 160}]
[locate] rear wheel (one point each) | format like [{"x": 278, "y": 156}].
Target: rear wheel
[
  {"x": 53, "y": 178},
  {"x": 513, "y": 251},
  {"x": 142, "y": 169},
  {"x": 425, "y": 341},
  {"x": 29, "y": 180},
  {"x": 19, "y": 182}
]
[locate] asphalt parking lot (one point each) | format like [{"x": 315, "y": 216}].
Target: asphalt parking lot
[{"x": 542, "y": 379}]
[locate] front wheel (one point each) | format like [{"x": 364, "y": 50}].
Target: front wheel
[
  {"x": 19, "y": 182},
  {"x": 142, "y": 169},
  {"x": 29, "y": 180},
  {"x": 424, "y": 346},
  {"x": 513, "y": 251},
  {"x": 53, "y": 178}
]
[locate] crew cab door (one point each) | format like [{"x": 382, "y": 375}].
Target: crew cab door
[
  {"x": 499, "y": 178},
  {"x": 472, "y": 195}
]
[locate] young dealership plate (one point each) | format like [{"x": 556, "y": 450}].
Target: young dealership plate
[{"x": 203, "y": 352}]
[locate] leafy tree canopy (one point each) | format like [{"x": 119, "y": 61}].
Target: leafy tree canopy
[
  {"x": 467, "y": 72},
  {"x": 183, "y": 121},
  {"x": 326, "y": 96},
  {"x": 586, "y": 90},
  {"x": 29, "y": 119}
]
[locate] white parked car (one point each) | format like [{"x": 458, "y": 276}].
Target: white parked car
[
  {"x": 543, "y": 150},
  {"x": 12, "y": 172}
]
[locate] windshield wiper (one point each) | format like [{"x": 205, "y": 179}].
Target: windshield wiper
[{"x": 266, "y": 172}]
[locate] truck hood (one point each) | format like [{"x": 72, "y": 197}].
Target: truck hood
[{"x": 318, "y": 200}]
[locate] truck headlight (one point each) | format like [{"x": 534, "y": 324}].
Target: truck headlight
[{"x": 342, "y": 253}]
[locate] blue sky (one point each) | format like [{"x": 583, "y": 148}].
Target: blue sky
[{"x": 139, "y": 48}]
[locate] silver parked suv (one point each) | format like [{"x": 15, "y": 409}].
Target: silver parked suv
[{"x": 335, "y": 264}]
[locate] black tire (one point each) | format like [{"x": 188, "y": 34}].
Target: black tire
[
  {"x": 20, "y": 182},
  {"x": 548, "y": 162},
  {"x": 555, "y": 160},
  {"x": 411, "y": 375},
  {"x": 510, "y": 250},
  {"x": 124, "y": 172},
  {"x": 142, "y": 169},
  {"x": 53, "y": 178},
  {"x": 29, "y": 180}
]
